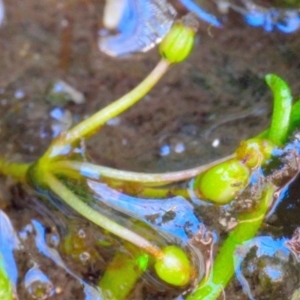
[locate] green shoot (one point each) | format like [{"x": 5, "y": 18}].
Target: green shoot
[
  {"x": 97, "y": 218},
  {"x": 293, "y": 123},
  {"x": 41, "y": 175},
  {"x": 176, "y": 46},
  {"x": 223, "y": 266},
  {"x": 295, "y": 117},
  {"x": 92, "y": 171},
  {"x": 282, "y": 109},
  {"x": 123, "y": 272},
  {"x": 179, "y": 268},
  {"x": 143, "y": 261},
  {"x": 171, "y": 263},
  {"x": 18, "y": 171},
  {"x": 90, "y": 126}
]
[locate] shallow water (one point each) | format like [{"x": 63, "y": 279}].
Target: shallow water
[{"x": 199, "y": 112}]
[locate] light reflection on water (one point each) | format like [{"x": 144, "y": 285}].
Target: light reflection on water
[
  {"x": 143, "y": 23},
  {"x": 182, "y": 222},
  {"x": 37, "y": 284},
  {"x": 12, "y": 242},
  {"x": 10, "y": 245},
  {"x": 265, "y": 246},
  {"x": 90, "y": 291},
  {"x": 9, "y": 242}
]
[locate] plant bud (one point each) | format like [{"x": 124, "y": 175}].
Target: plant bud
[
  {"x": 254, "y": 152},
  {"x": 174, "y": 267},
  {"x": 223, "y": 182},
  {"x": 178, "y": 43}
]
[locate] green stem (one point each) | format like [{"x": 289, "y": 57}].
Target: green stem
[
  {"x": 223, "y": 268},
  {"x": 295, "y": 117},
  {"x": 293, "y": 124},
  {"x": 91, "y": 125},
  {"x": 93, "y": 171},
  {"x": 17, "y": 171},
  {"x": 282, "y": 109},
  {"x": 97, "y": 218},
  {"x": 160, "y": 193},
  {"x": 122, "y": 273}
]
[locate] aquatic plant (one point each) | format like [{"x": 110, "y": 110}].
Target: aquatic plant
[
  {"x": 45, "y": 175},
  {"x": 220, "y": 182},
  {"x": 252, "y": 153}
]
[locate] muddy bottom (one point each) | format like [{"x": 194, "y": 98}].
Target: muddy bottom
[{"x": 198, "y": 112}]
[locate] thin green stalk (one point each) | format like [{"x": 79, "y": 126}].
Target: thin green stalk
[
  {"x": 17, "y": 171},
  {"x": 93, "y": 171},
  {"x": 282, "y": 109},
  {"x": 97, "y": 218},
  {"x": 293, "y": 123},
  {"x": 91, "y": 125},
  {"x": 224, "y": 264},
  {"x": 160, "y": 193},
  {"x": 295, "y": 117},
  {"x": 122, "y": 273}
]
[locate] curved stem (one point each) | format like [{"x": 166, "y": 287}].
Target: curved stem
[
  {"x": 93, "y": 171},
  {"x": 123, "y": 271},
  {"x": 90, "y": 126},
  {"x": 17, "y": 171},
  {"x": 293, "y": 123},
  {"x": 295, "y": 116},
  {"x": 224, "y": 267},
  {"x": 282, "y": 109},
  {"x": 160, "y": 193},
  {"x": 97, "y": 218}
]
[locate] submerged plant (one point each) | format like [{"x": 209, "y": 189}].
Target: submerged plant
[
  {"x": 252, "y": 153},
  {"x": 219, "y": 182},
  {"x": 51, "y": 171}
]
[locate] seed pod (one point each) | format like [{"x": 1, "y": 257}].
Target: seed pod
[
  {"x": 174, "y": 267},
  {"x": 178, "y": 43},
  {"x": 254, "y": 152},
  {"x": 222, "y": 182}
]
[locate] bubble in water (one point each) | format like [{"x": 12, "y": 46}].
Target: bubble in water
[
  {"x": 38, "y": 284},
  {"x": 179, "y": 148},
  {"x": 84, "y": 256},
  {"x": 81, "y": 233},
  {"x": 165, "y": 150},
  {"x": 216, "y": 143},
  {"x": 19, "y": 94}
]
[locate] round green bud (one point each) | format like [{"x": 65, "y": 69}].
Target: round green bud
[
  {"x": 254, "y": 152},
  {"x": 174, "y": 267},
  {"x": 222, "y": 182},
  {"x": 178, "y": 43}
]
